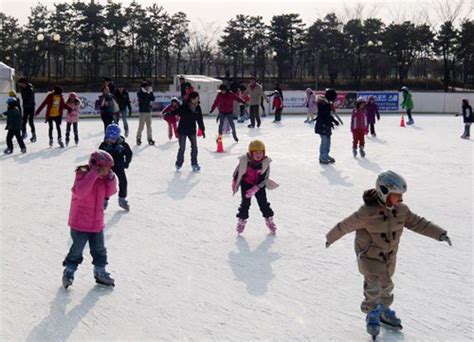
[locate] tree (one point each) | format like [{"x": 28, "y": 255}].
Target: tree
[
  {"x": 286, "y": 34},
  {"x": 10, "y": 34},
  {"x": 466, "y": 50},
  {"x": 116, "y": 22},
  {"x": 180, "y": 33},
  {"x": 234, "y": 42},
  {"x": 257, "y": 44},
  {"x": 135, "y": 14},
  {"x": 447, "y": 45},
  {"x": 356, "y": 38}
]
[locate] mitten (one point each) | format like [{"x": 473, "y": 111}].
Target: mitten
[{"x": 252, "y": 191}]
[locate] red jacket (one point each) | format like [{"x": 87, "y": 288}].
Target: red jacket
[
  {"x": 225, "y": 102},
  {"x": 358, "y": 120},
  {"x": 277, "y": 102},
  {"x": 48, "y": 102}
]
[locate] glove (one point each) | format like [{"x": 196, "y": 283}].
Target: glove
[
  {"x": 110, "y": 175},
  {"x": 126, "y": 165},
  {"x": 445, "y": 237},
  {"x": 327, "y": 244},
  {"x": 252, "y": 191},
  {"x": 234, "y": 184},
  {"x": 203, "y": 135},
  {"x": 106, "y": 203},
  {"x": 337, "y": 123}
]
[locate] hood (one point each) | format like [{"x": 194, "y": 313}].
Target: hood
[{"x": 371, "y": 198}]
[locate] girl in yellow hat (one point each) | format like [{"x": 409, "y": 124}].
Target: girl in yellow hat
[{"x": 252, "y": 176}]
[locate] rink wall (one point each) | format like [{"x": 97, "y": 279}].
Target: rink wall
[{"x": 388, "y": 101}]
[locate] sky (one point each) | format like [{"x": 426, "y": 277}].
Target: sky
[{"x": 212, "y": 15}]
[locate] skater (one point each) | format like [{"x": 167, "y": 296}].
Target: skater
[
  {"x": 72, "y": 117},
  {"x": 55, "y": 105},
  {"x": 408, "y": 104},
  {"x": 189, "y": 114},
  {"x": 224, "y": 102},
  {"x": 379, "y": 224},
  {"x": 170, "y": 115},
  {"x": 277, "y": 105},
  {"x": 468, "y": 118},
  {"x": 252, "y": 176},
  {"x": 12, "y": 94},
  {"x": 123, "y": 100},
  {"x": 109, "y": 84},
  {"x": 255, "y": 93},
  {"x": 145, "y": 100},
  {"x": 93, "y": 183},
  {"x": 13, "y": 126},
  {"x": 243, "y": 113},
  {"x": 372, "y": 111},
  {"x": 359, "y": 127},
  {"x": 324, "y": 124},
  {"x": 311, "y": 105},
  {"x": 184, "y": 88},
  {"x": 28, "y": 95},
  {"x": 108, "y": 107},
  {"x": 120, "y": 151}
]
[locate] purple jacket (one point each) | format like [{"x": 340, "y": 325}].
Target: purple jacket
[
  {"x": 310, "y": 102},
  {"x": 87, "y": 203},
  {"x": 371, "y": 110}
]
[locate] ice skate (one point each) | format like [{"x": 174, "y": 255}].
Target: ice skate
[
  {"x": 373, "y": 321},
  {"x": 51, "y": 142},
  {"x": 196, "y": 168},
  {"x": 102, "y": 277},
  {"x": 8, "y": 151},
  {"x": 241, "y": 225},
  {"x": 151, "y": 142},
  {"x": 68, "y": 277},
  {"x": 331, "y": 159},
  {"x": 354, "y": 152},
  {"x": 139, "y": 141},
  {"x": 362, "y": 152},
  {"x": 123, "y": 203},
  {"x": 389, "y": 317},
  {"x": 60, "y": 143},
  {"x": 33, "y": 137},
  {"x": 271, "y": 225},
  {"x": 23, "y": 150},
  {"x": 24, "y": 135}
]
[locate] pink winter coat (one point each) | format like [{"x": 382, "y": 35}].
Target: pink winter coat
[
  {"x": 310, "y": 102},
  {"x": 87, "y": 203},
  {"x": 73, "y": 115},
  {"x": 358, "y": 120}
]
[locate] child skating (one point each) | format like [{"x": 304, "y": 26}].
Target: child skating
[
  {"x": 93, "y": 183},
  {"x": 372, "y": 110},
  {"x": 170, "y": 115},
  {"x": 408, "y": 104},
  {"x": 72, "y": 117},
  {"x": 120, "y": 151},
  {"x": 467, "y": 117},
  {"x": 14, "y": 122},
  {"x": 359, "y": 127},
  {"x": 324, "y": 124},
  {"x": 252, "y": 176},
  {"x": 379, "y": 224}
]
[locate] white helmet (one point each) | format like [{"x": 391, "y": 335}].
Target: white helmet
[
  {"x": 405, "y": 88},
  {"x": 389, "y": 182}
]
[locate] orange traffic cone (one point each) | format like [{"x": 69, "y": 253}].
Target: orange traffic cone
[
  {"x": 220, "y": 146},
  {"x": 402, "y": 121},
  {"x": 199, "y": 134}
]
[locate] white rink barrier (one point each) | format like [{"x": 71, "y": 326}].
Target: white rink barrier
[{"x": 388, "y": 101}]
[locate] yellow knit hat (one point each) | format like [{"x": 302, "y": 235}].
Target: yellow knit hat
[
  {"x": 256, "y": 145},
  {"x": 12, "y": 93}
]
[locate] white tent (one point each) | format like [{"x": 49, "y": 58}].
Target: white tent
[
  {"x": 206, "y": 86},
  {"x": 6, "y": 78}
]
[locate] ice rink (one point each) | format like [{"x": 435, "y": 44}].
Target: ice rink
[{"x": 183, "y": 274}]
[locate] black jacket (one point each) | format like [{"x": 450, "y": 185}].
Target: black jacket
[
  {"x": 188, "y": 119},
  {"x": 144, "y": 101},
  {"x": 28, "y": 96},
  {"x": 325, "y": 121},
  {"x": 120, "y": 151},
  {"x": 123, "y": 100},
  {"x": 467, "y": 114},
  {"x": 183, "y": 89}
]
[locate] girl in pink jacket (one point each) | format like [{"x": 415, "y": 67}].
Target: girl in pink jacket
[
  {"x": 94, "y": 182},
  {"x": 73, "y": 117},
  {"x": 359, "y": 127}
]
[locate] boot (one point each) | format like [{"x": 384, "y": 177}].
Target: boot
[
  {"x": 67, "y": 141},
  {"x": 50, "y": 142},
  {"x": 270, "y": 224},
  {"x": 8, "y": 151},
  {"x": 139, "y": 141},
  {"x": 241, "y": 225},
  {"x": 60, "y": 143},
  {"x": 126, "y": 133},
  {"x": 196, "y": 168},
  {"x": 23, "y": 150},
  {"x": 33, "y": 137},
  {"x": 123, "y": 203},
  {"x": 151, "y": 142},
  {"x": 102, "y": 277},
  {"x": 354, "y": 152},
  {"x": 362, "y": 152},
  {"x": 331, "y": 159},
  {"x": 76, "y": 140}
]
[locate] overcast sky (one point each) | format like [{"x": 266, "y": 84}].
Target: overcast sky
[{"x": 214, "y": 14}]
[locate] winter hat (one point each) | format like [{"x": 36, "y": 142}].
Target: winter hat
[
  {"x": 174, "y": 99},
  {"x": 308, "y": 90},
  {"x": 12, "y": 93},
  {"x": 360, "y": 99},
  {"x": 256, "y": 146},
  {"x": 371, "y": 97},
  {"x": 11, "y": 100},
  {"x": 72, "y": 96},
  {"x": 465, "y": 101},
  {"x": 404, "y": 88}
]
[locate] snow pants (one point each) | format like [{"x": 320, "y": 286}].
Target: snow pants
[
  {"x": 358, "y": 136},
  {"x": 262, "y": 201},
  {"x": 377, "y": 287},
  {"x": 17, "y": 134},
  {"x": 57, "y": 120},
  {"x": 254, "y": 115},
  {"x": 96, "y": 245}
]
